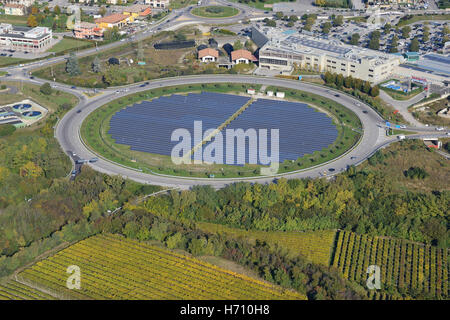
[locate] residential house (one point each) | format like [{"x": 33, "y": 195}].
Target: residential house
[
  {"x": 242, "y": 56},
  {"x": 87, "y": 30},
  {"x": 138, "y": 11},
  {"x": 114, "y": 20},
  {"x": 15, "y": 9},
  {"x": 158, "y": 3},
  {"x": 208, "y": 55}
]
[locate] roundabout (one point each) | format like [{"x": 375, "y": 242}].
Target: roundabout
[
  {"x": 136, "y": 131},
  {"x": 68, "y": 132}
]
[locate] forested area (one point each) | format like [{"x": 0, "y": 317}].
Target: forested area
[{"x": 364, "y": 202}]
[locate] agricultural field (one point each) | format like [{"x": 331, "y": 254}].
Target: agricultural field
[
  {"x": 13, "y": 290},
  {"x": 314, "y": 245},
  {"x": 410, "y": 267},
  {"x": 113, "y": 267}
]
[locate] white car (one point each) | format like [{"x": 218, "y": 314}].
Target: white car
[
  {"x": 440, "y": 129},
  {"x": 402, "y": 126}
]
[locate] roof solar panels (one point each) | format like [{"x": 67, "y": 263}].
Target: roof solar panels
[
  {"x": 321, "y": 45},
  {"x": 440, "y": 59},
  {"x": 148, "y": 126}
]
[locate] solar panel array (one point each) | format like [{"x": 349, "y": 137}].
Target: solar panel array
[
  {"x": 148, "y": 126},
  {"x": 316, "y": 45},
  {"x": 302, "y": 130}
]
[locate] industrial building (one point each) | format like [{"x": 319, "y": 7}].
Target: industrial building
[
  {"x": 19, "y": 38},
  {"x": 283, "y": 51}
]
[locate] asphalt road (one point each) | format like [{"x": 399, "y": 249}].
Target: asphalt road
[{"x": 67, "y": 132}]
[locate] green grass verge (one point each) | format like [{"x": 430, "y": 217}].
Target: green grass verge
[
  {"x": 417, "y": 18},
  {"x": 67, "y": 44},
  {"x": 94, "y": 132},
  {"x": 215, "y": 12}
]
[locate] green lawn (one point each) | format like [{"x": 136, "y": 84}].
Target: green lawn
[
  {"x": 215, "y": 11},
  {"x": 398, "y": 95},
  {"x": 6, "y": 61},
  {"x": 17, "y": 20},
  {"x": 69, "y": 44}
]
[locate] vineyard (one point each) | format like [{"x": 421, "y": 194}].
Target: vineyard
[
  {"x": 13, "y": 290},
  {"x": 408, "y": 266},
  {"x": 113, "y": 267},
  {"x": 314, "y": 245}
]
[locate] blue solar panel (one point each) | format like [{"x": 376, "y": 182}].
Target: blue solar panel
[{"x": 148, "y": 126}]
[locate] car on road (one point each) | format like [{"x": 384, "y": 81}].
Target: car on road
[
  {"x": 337, "y": 95},
  {"x": 74, "y": 173},
  {"x": 364, "y": 111},
  {"x": 332, "y": 169},
  {"x": 439, "y": 129},
  {"x": 93, "y": 160},
  {"x": 402, "y": 126},
  {"x": 142, "y": 85},
  {"x": 352, "y": 158},
  {"x": 78, "y": 111},
  {"x": 73, "y": 87}
]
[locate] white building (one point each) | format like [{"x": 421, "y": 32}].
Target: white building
[
  {"x": 158, "y": 3},
  {"x": 37, "y": 39},
  {"x": 282, "y": 52}
]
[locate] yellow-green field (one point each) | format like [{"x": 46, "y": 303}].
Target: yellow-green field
[
  {"x": 316, "y": 246},
  {"x": 403, "y": 264},
  {"x": 13, "y": 290},
  {"x": 113, "y": 267}
]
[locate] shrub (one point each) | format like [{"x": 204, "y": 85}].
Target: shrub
[
  {"x": 6, "y": 130},
  {"x": 46, "y": 89}
]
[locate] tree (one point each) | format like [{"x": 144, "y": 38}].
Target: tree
[
  {"x": 102, "y": 11},
  {"x": 326, "y": 27},
  {"x": 57, "y": 10},
  {"x": 374, "y": 43},
  {"x": 394, "y": 44},
  {"x": 414, "y": 45},
  {"x": 46, "y": 89},
  {"x": 237, "y": 45},
  {"x": 72, "y": 66},
  {"x": 338, "y": 21},
  {"x": 405, "y": 31},
  {"x": 31, "y": 21},
  {"x": 320, "y": 3},
  {"x": 366, "y": 87},
  {"x": 355, "y": 39},
  {"x": 339, "y": 80},
  {"x": 290, "y": 24},
  {"x": 293, "y": 18},
  {"x": 34, "y": 10},
  {"x": 279, "y": 15},
  {"x": 271, "y": 23},
  {"x": 426, "y": 34},
  {"x": 46, "y": 10},
  {"x": 387, "y": 28},
  {"x": 374, "y": 91},
  {"x": 96, "y": 65}
]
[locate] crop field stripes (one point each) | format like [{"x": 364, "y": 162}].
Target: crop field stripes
[
  {"x": 13, "y": 290},
  {"x": 113, "y": 267},
  {"x": 404, "y": 264}
]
